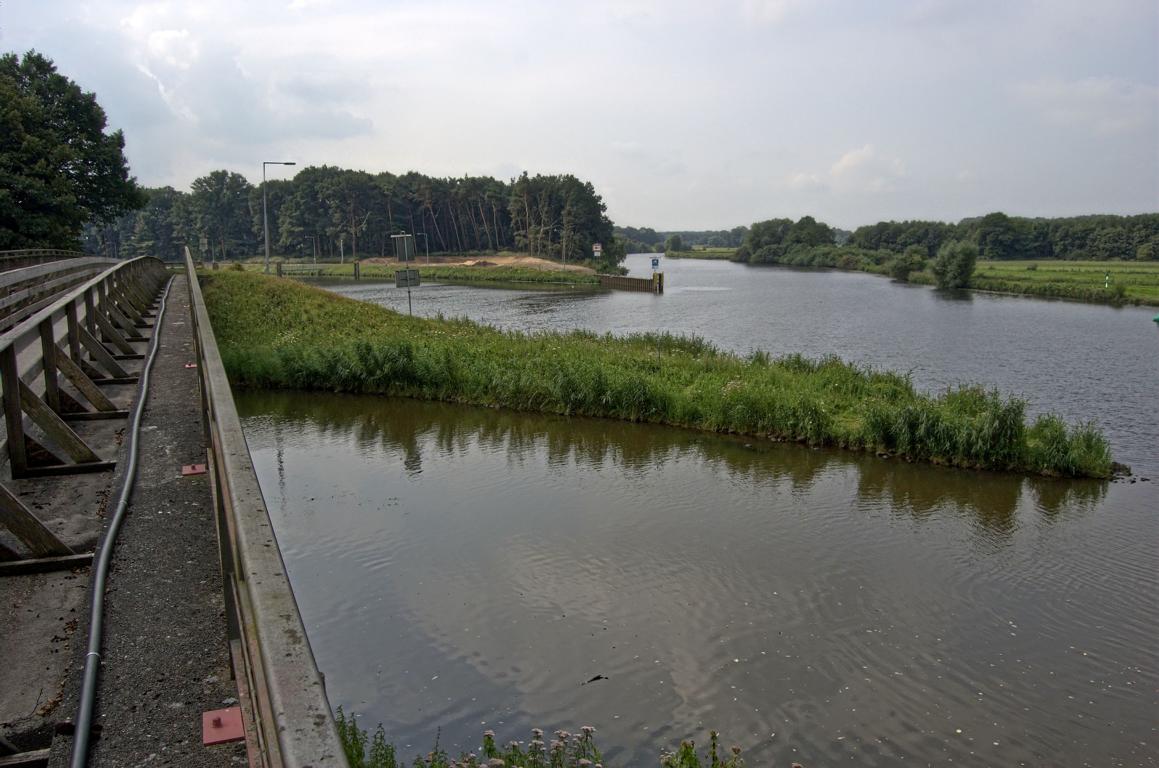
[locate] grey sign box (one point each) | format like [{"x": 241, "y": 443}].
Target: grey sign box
[{"x": 406, "y": 278}]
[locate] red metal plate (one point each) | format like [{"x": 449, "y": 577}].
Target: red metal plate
[
  {"x": 192, "y": 469},
  {"x": 191, "y": 365},
  {"x": 221, "y": 725}
]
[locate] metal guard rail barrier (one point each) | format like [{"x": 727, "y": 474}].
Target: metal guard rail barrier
[
  {"x": 283, "y": 695},
  {"x": 68, "y": 338}
]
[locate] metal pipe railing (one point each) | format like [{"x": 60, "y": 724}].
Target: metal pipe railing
[{"x": 282, "y": 691}]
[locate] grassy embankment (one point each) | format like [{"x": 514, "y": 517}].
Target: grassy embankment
[
  {"x": 723, "y": 254},
  {"x": 455, "y": 273},
  {"x": 279, "y": 333},
  {"x": 1132, "y": 282}
]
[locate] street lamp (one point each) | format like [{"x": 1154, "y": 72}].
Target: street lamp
[{"x": 265, "y": 213}]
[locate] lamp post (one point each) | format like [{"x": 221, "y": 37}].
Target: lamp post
[{"x": 265, "y": 212}]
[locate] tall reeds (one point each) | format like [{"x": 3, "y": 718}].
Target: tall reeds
[{"x": 281, "y": 334}]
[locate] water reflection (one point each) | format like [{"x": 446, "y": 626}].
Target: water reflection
[
  {"x": 407, "y": 428},
  {"x": 464, "y": 568}
]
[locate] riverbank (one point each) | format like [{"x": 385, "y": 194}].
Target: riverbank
[
  {"x": 450, "y": 273},
  {"x": 281, "y": 334},
  {"x": 502, "y": 267},
  {"x": 1130, "y": 282},
  {"x": 722, "y": 254}
]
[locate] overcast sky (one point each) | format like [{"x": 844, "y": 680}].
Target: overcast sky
[{"x": 684, "y": 115}]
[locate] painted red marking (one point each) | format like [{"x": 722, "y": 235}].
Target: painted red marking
[
  {"x": 221, "y": 725},
  {"x": 191, "y": 365},
  {"x": 192, "y": 469}
]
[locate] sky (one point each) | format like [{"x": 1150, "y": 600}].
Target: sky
[{"x": 684, "y": 115}]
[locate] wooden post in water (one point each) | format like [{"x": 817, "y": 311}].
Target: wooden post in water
[
  {"x": 357, "y": 270},
  {"x": 658, "y": 282},
  {"x": 279, "y": 269}
]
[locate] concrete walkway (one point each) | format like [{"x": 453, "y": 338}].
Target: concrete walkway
[{"x": 166, "y": 654}]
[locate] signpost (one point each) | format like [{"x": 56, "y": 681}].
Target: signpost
[
  {"x": 655, "y": 263},
  {"x": 597, "y": 251},
  {"x": 404, "y": 250}
]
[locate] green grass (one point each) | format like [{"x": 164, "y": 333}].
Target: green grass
[
  {"x": 1132, "y": 282},
  {"x": 703, "y": 253},
  {"x": 282, "y": 334},
  {"x": 440, "y": 273}
]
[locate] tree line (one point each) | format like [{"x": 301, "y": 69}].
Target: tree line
[
  {"x": 337, "y": 213},
  {"x": 997, "y": 236}
]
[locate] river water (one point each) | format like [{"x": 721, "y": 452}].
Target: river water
[{"x": 464, "y": 569}]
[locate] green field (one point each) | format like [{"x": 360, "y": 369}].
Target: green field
[
  {"x": 278, "y": 333},
  {"x": 1132, "y": 282},
  {"x": 439, "y": 272},
  {"x": 703, "y": 253}
]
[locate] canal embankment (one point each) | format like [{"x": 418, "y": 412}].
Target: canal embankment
[{"x": 279, "y": 334}]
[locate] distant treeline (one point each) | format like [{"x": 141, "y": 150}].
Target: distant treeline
[
  {"x": 335, "y": 212},
  {"x": 997, "y": 236}
]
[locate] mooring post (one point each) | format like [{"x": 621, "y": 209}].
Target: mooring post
[{"x": 357, "y": 270}]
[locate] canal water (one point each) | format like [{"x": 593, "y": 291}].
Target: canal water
[{"x": 464, "y": 569}]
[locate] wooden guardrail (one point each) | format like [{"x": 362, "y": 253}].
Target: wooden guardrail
[
  {"x": 52, "y": 366},
  {"x": 30, "y": 256},
  {"x": 25, "y": 290},
  {"x": 289, "y": 722}
]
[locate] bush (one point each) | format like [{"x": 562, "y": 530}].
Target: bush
[
  {"x": 954, "y": 265},
  {"x": 913, "y": 260}
]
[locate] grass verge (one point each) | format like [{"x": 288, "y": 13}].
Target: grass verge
[
  {"x": 445, "y": 272},
  {"x": 281, "y": 334}
]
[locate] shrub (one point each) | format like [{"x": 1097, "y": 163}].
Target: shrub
[{"x": 954, "y": 265}]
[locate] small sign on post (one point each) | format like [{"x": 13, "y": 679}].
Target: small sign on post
[
  {"x": 597, "y": 251},
  {"x": 655, "y": 263},
  {"x": 406, "y": 278}
]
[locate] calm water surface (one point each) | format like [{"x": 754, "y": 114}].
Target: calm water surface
[
  {"x": 465, "y": 569},
  {"x": 1085, "y": 362}
]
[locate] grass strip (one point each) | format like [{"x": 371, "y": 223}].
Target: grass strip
[
  {"x": 445, "y": 272},
  {"x": 277, "y": 333}
]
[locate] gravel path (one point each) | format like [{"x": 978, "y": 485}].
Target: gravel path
[{"x": 166, "y": 653}]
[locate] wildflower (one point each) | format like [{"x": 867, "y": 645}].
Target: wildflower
[
  {"x": 489, "y": 734},
  {"x": 584, "y": 762},
  {"x": 588, "y": 730},
  {"x": 736, "y": 750},
  {"x": 537, "y": 733},
  {"x": 556, "y": 744},
  {"x": 496, "y": 762}
]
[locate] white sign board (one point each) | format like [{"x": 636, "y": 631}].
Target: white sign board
[{"x": 655, "y": 262}]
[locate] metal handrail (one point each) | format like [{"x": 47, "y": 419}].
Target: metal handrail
[{"x": 282, "y": 691}]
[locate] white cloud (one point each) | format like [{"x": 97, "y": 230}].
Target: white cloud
[
  {"x": 805, "y": 181},
  {"x": 852, "y": 160},
  {"x": 1107, "y": 106},
  {"x": 767, "y": 11}
]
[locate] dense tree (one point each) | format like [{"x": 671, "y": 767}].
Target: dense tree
[
  {"x": 674, "y": 243},
  {"x": 913, "y": 260},
  {"x": 954, "y": 265},
  {"x": 58, "y": 167},
  {"x": 221, "y": 209}
]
